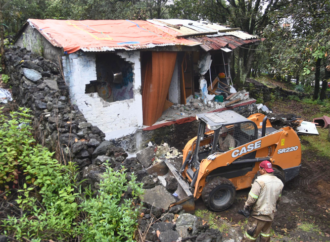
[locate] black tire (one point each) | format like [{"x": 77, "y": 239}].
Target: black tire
[
  {"x": 277, "y": 173},
  {"x": 215, "y": 201}
]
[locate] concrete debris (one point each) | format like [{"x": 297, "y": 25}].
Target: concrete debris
[
  {"x": 147, "y": 156},
  {"x": 32, "y": 75},
  {"x": 5, "y": 96},
  {"x": 184, "y": 224},
  {"x": 158, "y": 197}
]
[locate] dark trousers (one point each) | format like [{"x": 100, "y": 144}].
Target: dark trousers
[{"x": 256, "y": 227}]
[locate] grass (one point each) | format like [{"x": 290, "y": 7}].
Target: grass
[
  {"x": 309, "y": 227},
  {"x": 213, "y": 222},
  {"x": 317, "y": 143}
]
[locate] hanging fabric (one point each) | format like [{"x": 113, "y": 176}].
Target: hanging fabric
[{"x": 157, "y": 79}]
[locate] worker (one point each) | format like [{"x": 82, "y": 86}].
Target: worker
[
  {"x": 262, "y": 203},
  {"x": 226, "y": 140}
]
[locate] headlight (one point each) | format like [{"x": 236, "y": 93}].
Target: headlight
[{"x": 196, "y": 117}]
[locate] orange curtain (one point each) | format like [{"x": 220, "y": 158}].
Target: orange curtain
[{"x": 157, "y": 79}]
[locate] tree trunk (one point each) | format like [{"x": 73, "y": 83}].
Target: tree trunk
[
  {"x": 297, "y": 79},
  {"x": 317, "y": 80},
  {"x": 288, "y": 79},
  {"x": 324, "y": 90},
  {"x": 2, "y": 41}
]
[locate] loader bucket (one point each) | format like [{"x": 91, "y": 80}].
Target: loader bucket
[{"x": 187, "y": 200}]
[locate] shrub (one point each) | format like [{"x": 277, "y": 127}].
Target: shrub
[
  {"x": 5, "y": 78},
  {"x": 294, "y": 97},
  {"x": 64, "y": 211},
  {"x": 299, "y": 88}
]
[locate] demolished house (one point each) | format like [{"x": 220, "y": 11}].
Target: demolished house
[{"x": 127, "y": 76}]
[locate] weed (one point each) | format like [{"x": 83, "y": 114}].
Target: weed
[
  {"x": 308, "y": 227},
  {"x": 5, "y": 78},
  {"x": 294, "y": 97},
  {"x": 224, "y": 227}
]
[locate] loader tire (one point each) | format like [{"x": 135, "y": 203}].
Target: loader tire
[
  {"x": 219, "y": 194},
  {"x": 276, "y": 173}
]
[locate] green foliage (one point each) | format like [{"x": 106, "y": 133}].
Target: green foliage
[
  {"x": 54, "y": 205},
  {"x": 106, "y": 220},
  {"x": 299, "y": 88},
  {"x": 294, "y": 97}
]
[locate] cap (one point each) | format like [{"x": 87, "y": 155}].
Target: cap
[{"x": 267, "y": 166}]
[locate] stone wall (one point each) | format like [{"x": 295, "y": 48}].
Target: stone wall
[{"x": 38, "y": 84}]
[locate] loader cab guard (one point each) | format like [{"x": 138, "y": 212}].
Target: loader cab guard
[{"x": 242, "y": 129}]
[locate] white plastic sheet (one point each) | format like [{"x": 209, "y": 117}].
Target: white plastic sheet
[
  {"x": 5, "y": 96},
  {"x": 307, "y": 128},
  {"x": 205, "y": 96}
]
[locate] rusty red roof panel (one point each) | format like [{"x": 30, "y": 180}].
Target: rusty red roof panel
[{"x": 216, "y": 43}]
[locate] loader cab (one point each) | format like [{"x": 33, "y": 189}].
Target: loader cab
[{"x": 212, "y": 125}]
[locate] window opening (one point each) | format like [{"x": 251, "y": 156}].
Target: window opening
[{"x": 114, "y": 78}]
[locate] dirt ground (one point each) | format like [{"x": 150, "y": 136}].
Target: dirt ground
[{"x": 304, "y": 212}]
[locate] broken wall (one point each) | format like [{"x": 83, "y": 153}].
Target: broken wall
[
  {"x": 115, "y": 119},
  {"x": 33, "y": 41}
]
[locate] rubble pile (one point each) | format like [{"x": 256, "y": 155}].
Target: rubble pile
[
  {"x": 38, "y": 84},
  {"x": 158, "y": 221},
  {"x": 281, "y": 120},
  {"x": 197, "y": 104}
]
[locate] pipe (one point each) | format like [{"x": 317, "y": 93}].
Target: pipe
[
  {"x": 250, "y": 160},
  {"x": 263, "y": 131}
]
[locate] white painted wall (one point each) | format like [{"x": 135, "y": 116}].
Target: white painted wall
[
  {"x": 174, "y": 94},
  {"x": 115, "y": 119}
]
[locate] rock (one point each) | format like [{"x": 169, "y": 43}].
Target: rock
[
  {"x": 3, "y": 238},
  {"x": 101, "y": 159},
  {"x": 45, "y": 74},
  {"x": 120, "y": 158},
  {"x": 169, "y": 236},
  {"x": 96, "y": 130},
  {"x": 147, "y": 216},
  {"x": 83, "y": 154},
  {"x": 148, "y": 182},
  {"x": 30, "y": 65},
  {"x": 83, "y": 162},
  {"x": 140, "y": 174},
  {"x": 68, "y": 139},
  {"x": 151, "y": 235},
  {"x": 93, "y": 172},
  {"x": 84, "y": 125},
  {"x": 158, "y": 196},
  {"x": 199, "y": 227},
  {"x": 78, "y": 146},
  {"x": 102, "y": 149},
  {"x": 176, "y": 209},
  {"x": 146, "y": 156},
  {"x": 52, "y": 84},
  {"x": 160, "y": 168},
  {"x": 50, "y": 106},
  {"x": 157, "y": 212},
  {"x": 184, "y": 222},
  {"x": 40, "y": 105},
  {"x": 162, "y": 227},
  {"x": 32, "y": 75},
  {"x": 211, "y": 235},
  {"x": 168, "y": 217},
  {"x": 171, "y": 184},
  {"x": 93, "y": 142}
]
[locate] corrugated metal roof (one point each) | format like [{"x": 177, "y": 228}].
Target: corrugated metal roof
[{"x": 156, "y": 33}]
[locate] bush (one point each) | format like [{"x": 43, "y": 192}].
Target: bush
[
  {"x": 5, "y": 78},
  {"x": 294, "y": 97},
  {"x": 53, "y": 205},
  {"x": 299, "y": 88}
]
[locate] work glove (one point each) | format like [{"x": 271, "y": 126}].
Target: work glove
[{"x": 245, "y": 212}]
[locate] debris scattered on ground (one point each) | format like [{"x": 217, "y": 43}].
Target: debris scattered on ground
[
  {"x": 5, "y": 96},
  {"x": 307, "y": 128},
  {"x": 322, "y": 121}
]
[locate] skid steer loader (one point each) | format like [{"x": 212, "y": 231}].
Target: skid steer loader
[{"x": 215, "y": 175}]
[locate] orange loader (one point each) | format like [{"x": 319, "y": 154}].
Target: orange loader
[{"x": 216, "y": 175}]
